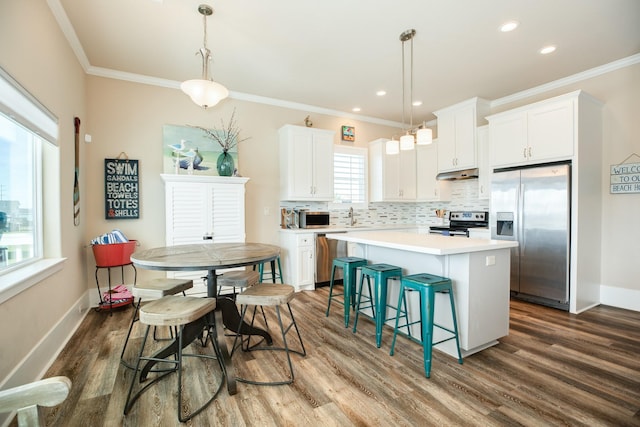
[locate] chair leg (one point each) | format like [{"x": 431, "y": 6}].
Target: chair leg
[
  {"x": 180, "y": 361},
  {"x": 333, "y": 272},
  {"x": 395, "y": 329},
  {"x": 372, "y": 299},
  {"x": 380, "y": 300},
  {"x": 287, "y": 350},
  {"x": 126, "y": 341},
  {"x": 455, "y": 325},
  {"x": 427, "y": 332}
]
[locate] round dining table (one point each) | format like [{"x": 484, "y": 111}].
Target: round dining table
[{"x": 210, "y": 257}]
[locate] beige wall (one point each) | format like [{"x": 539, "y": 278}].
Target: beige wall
[{"x": 34, "y": 52}]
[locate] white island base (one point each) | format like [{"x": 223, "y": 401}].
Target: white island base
[{"x": 478, "y": 268}]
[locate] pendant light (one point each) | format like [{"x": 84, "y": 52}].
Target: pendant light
[
  {"x": 392, "y": 146},
  {"x": 407, "y": 140},
  {"x": 205, "y": 92},
  {"x": 424, "y": 136}
]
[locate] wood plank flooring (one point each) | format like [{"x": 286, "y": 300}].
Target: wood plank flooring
[{"x": 554, "y": 369}]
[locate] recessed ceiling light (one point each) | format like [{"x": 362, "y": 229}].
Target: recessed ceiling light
[
  {"x": 381, "y": 93},
  {"x": 547, "y": 49},
  {"x": 356, "y": 109},
  {"x": 417, "y": 103},
  {"x": 509, "y": 26}
]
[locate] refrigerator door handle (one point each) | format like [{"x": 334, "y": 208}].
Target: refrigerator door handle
[{"x": 520, "y": 225}]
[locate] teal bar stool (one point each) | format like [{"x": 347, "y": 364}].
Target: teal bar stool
[
  {"x": 349, "y": 266},
  {"x": 275, "y": 276},
  {"x": 380, "y": 273},
  {"x": 427, "y": 285}
]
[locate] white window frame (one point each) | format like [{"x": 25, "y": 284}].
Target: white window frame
[
  {"x": 361, "y": 151},
  {"x": 25, "y": 110}
]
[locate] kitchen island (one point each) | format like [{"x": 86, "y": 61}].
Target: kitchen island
[{"x": 478, "y": 268}]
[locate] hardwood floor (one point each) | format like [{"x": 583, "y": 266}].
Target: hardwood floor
[{"x": 554, "y": 368}]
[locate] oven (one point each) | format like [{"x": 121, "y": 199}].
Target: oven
[{"x": 460, "y": 222}]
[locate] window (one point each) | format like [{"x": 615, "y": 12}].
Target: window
[
  {"x": 350, "y": 175},
  {"x": 20, "y": 236},
  {"x": 24, "y": 127}
]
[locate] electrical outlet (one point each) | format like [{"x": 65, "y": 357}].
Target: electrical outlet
[
  {"x": 490, "y": 260},
  {"x": 266, "y": 211}
]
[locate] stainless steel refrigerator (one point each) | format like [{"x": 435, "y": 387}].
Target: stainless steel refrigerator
[{"x": 532, "y": 207}]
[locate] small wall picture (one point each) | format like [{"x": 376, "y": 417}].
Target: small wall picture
[{"x": 348, "y": 133}]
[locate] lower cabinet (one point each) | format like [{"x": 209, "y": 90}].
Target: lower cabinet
[{"x": 298, "y": 259}]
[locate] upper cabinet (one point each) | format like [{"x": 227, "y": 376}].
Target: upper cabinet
[
  {"x": 457, "y": 134},
  {"x": 306, "y": 163},
  {"x": 537, "y": 133},
  {"x": 391, "y": 177},
  {"x": 428, "y": 188}
]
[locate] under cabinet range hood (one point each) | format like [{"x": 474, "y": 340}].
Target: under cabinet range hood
[{"x": 457, "y": 175}]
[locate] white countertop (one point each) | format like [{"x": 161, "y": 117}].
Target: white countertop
[
  {"x": 433, "y": 244},
  {"x": 354, "y": 228}
]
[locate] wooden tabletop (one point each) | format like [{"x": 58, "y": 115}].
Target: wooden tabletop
[{"x": 204, "y": 256}]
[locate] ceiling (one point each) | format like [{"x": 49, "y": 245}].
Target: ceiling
[{"x": 335, "y": 54}]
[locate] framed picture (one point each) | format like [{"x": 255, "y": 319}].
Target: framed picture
[
  {"x": 187, "y": 149},
  {"x": 348, "y": 133}
]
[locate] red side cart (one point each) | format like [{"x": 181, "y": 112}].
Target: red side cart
[{"x": 114, "y": 255}]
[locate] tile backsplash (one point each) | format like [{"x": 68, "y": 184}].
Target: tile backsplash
[{"x": 464, "y": 197}]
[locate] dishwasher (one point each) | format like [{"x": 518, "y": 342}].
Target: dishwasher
[{"x": 326, "y": 251}]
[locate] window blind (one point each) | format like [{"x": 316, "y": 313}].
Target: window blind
[{"x": 349, "y": 178}]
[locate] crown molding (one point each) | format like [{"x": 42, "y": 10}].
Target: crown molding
[
  {"x": 172, "y": 84},
  {"x": 67, "y": 29},
  {"x": 575, "y": 78}
]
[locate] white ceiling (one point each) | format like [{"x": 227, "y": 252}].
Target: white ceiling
[{"x": 335, "y": 54}]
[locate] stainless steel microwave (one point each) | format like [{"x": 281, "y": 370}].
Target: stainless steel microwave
[{"x": 309, "y": 219}]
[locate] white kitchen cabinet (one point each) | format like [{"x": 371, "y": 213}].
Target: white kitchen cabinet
[
  {"x": 484, "y": 163},
  {"x": 537, "y": 133},
  {"x": 563, "y": 128},
  {"x": 457, "y": 134},
  {"x": 428, "y": 188},
  {"x": 298, "y": 259},
  {"x": 201, "y": 209},
  {"x": 306, "y": 163},
  {"x": 392, "y": 177}
]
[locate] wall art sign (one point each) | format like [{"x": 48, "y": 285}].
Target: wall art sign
[
  {"x": 348, "y": 133},
  {"x": 625, "y": 178},
  {"x": 121, "y": 189}
]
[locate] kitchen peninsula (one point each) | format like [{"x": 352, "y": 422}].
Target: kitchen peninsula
[{"x": 478, "y": 268}]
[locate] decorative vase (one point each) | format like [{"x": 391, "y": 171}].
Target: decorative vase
[{"x": 225, "y": 164}]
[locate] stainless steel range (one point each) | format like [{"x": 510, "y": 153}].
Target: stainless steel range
[{"x": 460, "y": 223}]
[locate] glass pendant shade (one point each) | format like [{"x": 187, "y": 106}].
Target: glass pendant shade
[
  {"x": 205, "y": 93},
  {"x": 406, "y": 142},
  {"x": 392, "y": 147},
  {"x": 424, "y": 136}
]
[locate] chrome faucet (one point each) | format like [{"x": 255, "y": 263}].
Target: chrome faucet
[{"x": 352, "y": 221}]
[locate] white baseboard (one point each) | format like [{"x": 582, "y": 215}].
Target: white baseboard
[
  {"x": 35, "y": 364},
  {"x": 628, "y": 299}
]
